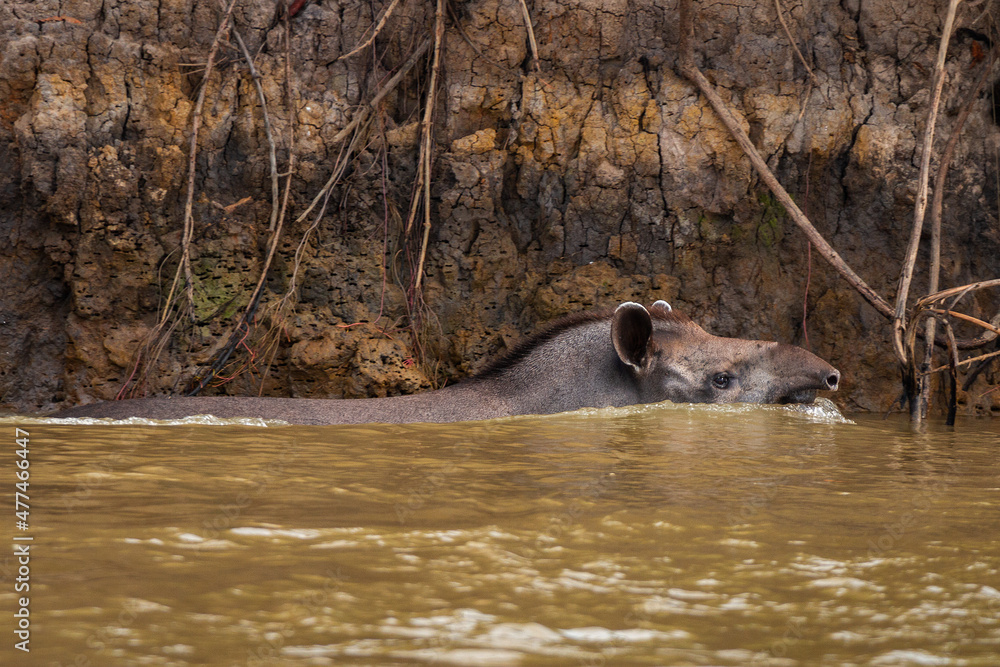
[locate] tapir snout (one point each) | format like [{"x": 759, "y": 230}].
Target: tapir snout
[{"x": 799, "y": 375}]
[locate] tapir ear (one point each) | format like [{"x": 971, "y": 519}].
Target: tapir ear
[
  {"x": 662, "y": 305},
  {"x": 630, "y": 332}
]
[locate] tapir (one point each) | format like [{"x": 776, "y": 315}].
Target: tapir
[{"x": 604, "y": 358}]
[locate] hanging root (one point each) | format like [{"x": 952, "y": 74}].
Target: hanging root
[
  {"x": 791, "y": 40},
  {"x": 171, "y": 310},
  {"x": 271, "y": 151},
  {"x": 265, "y": 344},
  {"x": 242, "y": 330},
  {"x": 426, "y": 144}
]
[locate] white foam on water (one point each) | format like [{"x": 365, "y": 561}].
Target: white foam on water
[
  {"x": 822, "y": 410},
  {"x": 194, "y": 420}
]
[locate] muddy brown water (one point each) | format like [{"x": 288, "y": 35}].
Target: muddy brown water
[{"x": 655, "y": 535}]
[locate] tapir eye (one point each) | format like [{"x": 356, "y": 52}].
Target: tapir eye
[{"x": 721, "y": 380}]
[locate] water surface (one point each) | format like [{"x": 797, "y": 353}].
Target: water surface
[{"x": 658, "y": 535}]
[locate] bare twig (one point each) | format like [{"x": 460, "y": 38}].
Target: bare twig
[
  {"x": 378, "y": 28},
  {"x": 952, "y": 291},
  {"x": 914, "y": 378},
  {"x": 791, "y": 40},
  {"x": 906, "y": 276},
  {"x": 692, "y": 73},
  {"x": 967, "y": 318},
  {"x": 958, "y": 293},
  {"x": 965, "y": 362}
]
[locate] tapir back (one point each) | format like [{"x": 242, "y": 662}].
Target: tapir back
[{"x": 596, "y": 359}]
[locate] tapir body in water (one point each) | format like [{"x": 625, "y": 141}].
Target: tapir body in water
[{"x": 626, "y": 356}]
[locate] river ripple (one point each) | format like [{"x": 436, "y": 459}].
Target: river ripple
[{"x": 659, "y": 535}]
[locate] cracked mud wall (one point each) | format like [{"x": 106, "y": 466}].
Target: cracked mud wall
[{"x": 597, "y": 176}]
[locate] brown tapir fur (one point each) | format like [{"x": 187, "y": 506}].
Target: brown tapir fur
[{"x": 619, "y": 357}]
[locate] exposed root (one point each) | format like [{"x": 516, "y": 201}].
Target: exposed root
[
  {"x": 188, "y": 233},
  {"x": 278, "y": 313},
  {"x": 243, "y": 327},
  {"x": 362, "y": 115}
]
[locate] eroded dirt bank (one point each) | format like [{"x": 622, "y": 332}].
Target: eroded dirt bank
[{"x": 597, "y": 176}]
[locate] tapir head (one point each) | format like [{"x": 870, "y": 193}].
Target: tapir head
[{"x": 674, "y": 359}]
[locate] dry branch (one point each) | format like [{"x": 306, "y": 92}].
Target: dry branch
[
  {"x": 965, "y": 362},
  {"x": 924, "y": 309},
  {"x": 901, "y": 328},
  {"x": 906, "y": 276},
  {"x": 958, "y": 293},
  {"x": 937, "y": 204},
  {"x": 952, "y": 374},
  {"x": 693, "y": 74},
  {"x": 961, "y": 290},
  {"x": 967, "y": 318}
]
